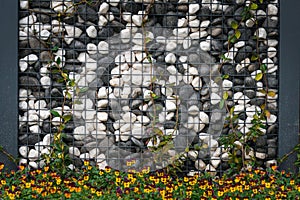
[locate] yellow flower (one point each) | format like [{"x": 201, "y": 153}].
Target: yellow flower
[
  {"x": 86, "y": 163},
  {"x": 126, "y": 184},
  {"x": 107, "y": 169},
  {"x": 255, "y": 191},
  {"x": 189, "y": 192},
  {"x": 136, "y": 189},
  {"x": 86, "y": 177},
  {"x": 163, "y": 179},
  {"x": 292, "y": 182},
  {"x": 78, "y": 189},
  {"x": 93, "y": 190},
  {"x": 156, "y": 180},
  {"x": 3, "y": 182},
  {"x": 146, "y": 170},
  {"x": 147, "y": 190},
  {"x": 27, "y": 185},
  {"x": 271, "y": 192},
  {"x": 220, "y": 193},
  {"x": 221, "y": 182},
  {"x": 151, "y": 178},
  {"x": 185, "y": 179},
  {"x": 58, "y": 181},
  {"x": 99, "y": 193},
  {"x": 268, "y": 185},
  {"x": 1, "y": 166},
  {"x": 130, "y": 176},
  {"x": 117, "y": 173},
  {"x": 101, "y": 172},
  {"x": 118, "y": 179}
]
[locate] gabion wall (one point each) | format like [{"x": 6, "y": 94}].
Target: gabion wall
[{"x": 152, "y": 81}]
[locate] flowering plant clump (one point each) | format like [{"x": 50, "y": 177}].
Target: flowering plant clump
[{"x": 92, "y": 183}]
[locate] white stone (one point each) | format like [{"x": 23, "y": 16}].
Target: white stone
[
  {"x": 23, "y": 150},
  {"x": 182, "y": 22},
  {"x": 91, "y": 31},
  {"x": 143, "y": 119},
  {"x": 239, "y": 44},
  {"x": 88, "y": 114},
  {"x": 80, "y": 133},
  {"x": 40, "y": 104},
  {"x": 261, "y": 33},
  {"x": 45, "y": 82},
  {"x": 24, "y": 93},
  {"x": 205, "y": 46},
  {"x": 84, "y": 156},
  {"x": 138, "y": 132},
  {"x": 47, "y": 140},
  {"x": 24, "y": 4},
  {"x": 32, "y": 164},
  {"x": 90, "y": 65},
  {"x": 94, "y": 153},
  {"x": 103, "y": 8},
  {"x": 91, "y": 48},
  {"x": 170, "y": 106},
  {"x": 99, "y": 126},
  {"x": 193, "y": 110},
  {"x": 31, "y": 59},
  {"x": 55, "y": 121},
  {"x": 215, "y": 98},
  {"x": 181, "y": 32},
  {"x": 114, "y": 2},
  {"x": 45, "y": 151},
  {"x": 137, "y": 19},
  {"x": 102, "y": 116},
  {"x": 272, "y": 9},
  {"x": 102, "y": 21},
  {"x": 125, "y": 128},
  {"x": 102, "y": 103},
  {"x": 240, "y": 1},
  {"x": 33, "y": 155},
  {"x": 125, "y": 35},
  {"x": 193, "y": 8},
  {"x": 193, "y": 154},
  {"x": 102, "y": 93},
  {"x": 215, "y": 161},
  {"x": 119, "y": 59},
  {"x": 260, "y": 155},
  {"x": 200, "y": 165},
  {"x": 73, "y": 31},
  {"x": 98, "y": 134},
  {"x": 170, "y": 58},
  {"x": 27, "y": 21},
  {"x": 44, "y": 34},
  {"x": 129, "y": 117},
  {"x": 23, "y": 105},
  {"x": 269, "y": 63},
  {"x": 197, "y": 83},
  {"x": 272, "y": 119},
  {"x": 272, "y": 51},
  {"x": 171, "y": 46},
  {"x": 227, "y": 85},
  {"x": 203, "y": 117},
  {"x": 250, "y": 22},
  {"x": 33, "y": 119},
  {"x": 252, "y": 110},
  {"x": 187, "y": 42},
  {"x": 115, "y": 82}
]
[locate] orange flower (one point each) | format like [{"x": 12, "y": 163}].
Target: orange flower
[
  {"x": 1, "y": 166},
  {"x": 67, "y": 195}
]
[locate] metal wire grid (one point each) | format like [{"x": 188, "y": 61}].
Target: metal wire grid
[{"x": 31, "y": 133}]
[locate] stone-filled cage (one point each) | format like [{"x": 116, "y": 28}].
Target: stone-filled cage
[{"x": 144, "y": 83}]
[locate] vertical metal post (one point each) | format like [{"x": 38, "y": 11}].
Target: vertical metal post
[
  {"x": 289, "y": 81},
  {"x": 9, "y": 80}
]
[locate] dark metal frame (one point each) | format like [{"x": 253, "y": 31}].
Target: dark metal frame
[
  {"x": 9, "y": 80},
  {"x": 289, "y": 80}
]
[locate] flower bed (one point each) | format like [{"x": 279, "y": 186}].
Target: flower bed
[{"x": 92, "y": 183}]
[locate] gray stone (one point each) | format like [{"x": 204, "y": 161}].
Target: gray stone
[
  {"x": 36, "y": 44},
  {"x": 92, "y": 15},
  {"x": 170, "y": 20},
  {"x": 184, "y": 139}
]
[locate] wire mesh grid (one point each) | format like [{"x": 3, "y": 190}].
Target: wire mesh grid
[{"x": 149, "y": 83}]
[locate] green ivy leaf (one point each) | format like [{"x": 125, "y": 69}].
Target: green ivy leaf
[
  {"x": 225, "y": 95},
  {"x": 54, "y": 113},
  {"x": 271, "y": 94},
  {"x": 55, "y": 48},
  {"x": 83, "y": 90},
  {"x": 234, "y": 25},
  {"x": 222, "y": 102},
  {"x": 253, "y": 6},
  {"x": 225, "y": 76},
  {"x": 233, "y": 39},
  {"x": 261, "y": 1},
  {"x": 147, "y": 40},
  {"x": 263, "y": 68},
  {"x": 67, "y": 118},
  {"x": 254, "y": 57},
  {"x": 237, "y": 34},
  {"x": 258, "y": 76},
  {"x": 58, "y": 60}
]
